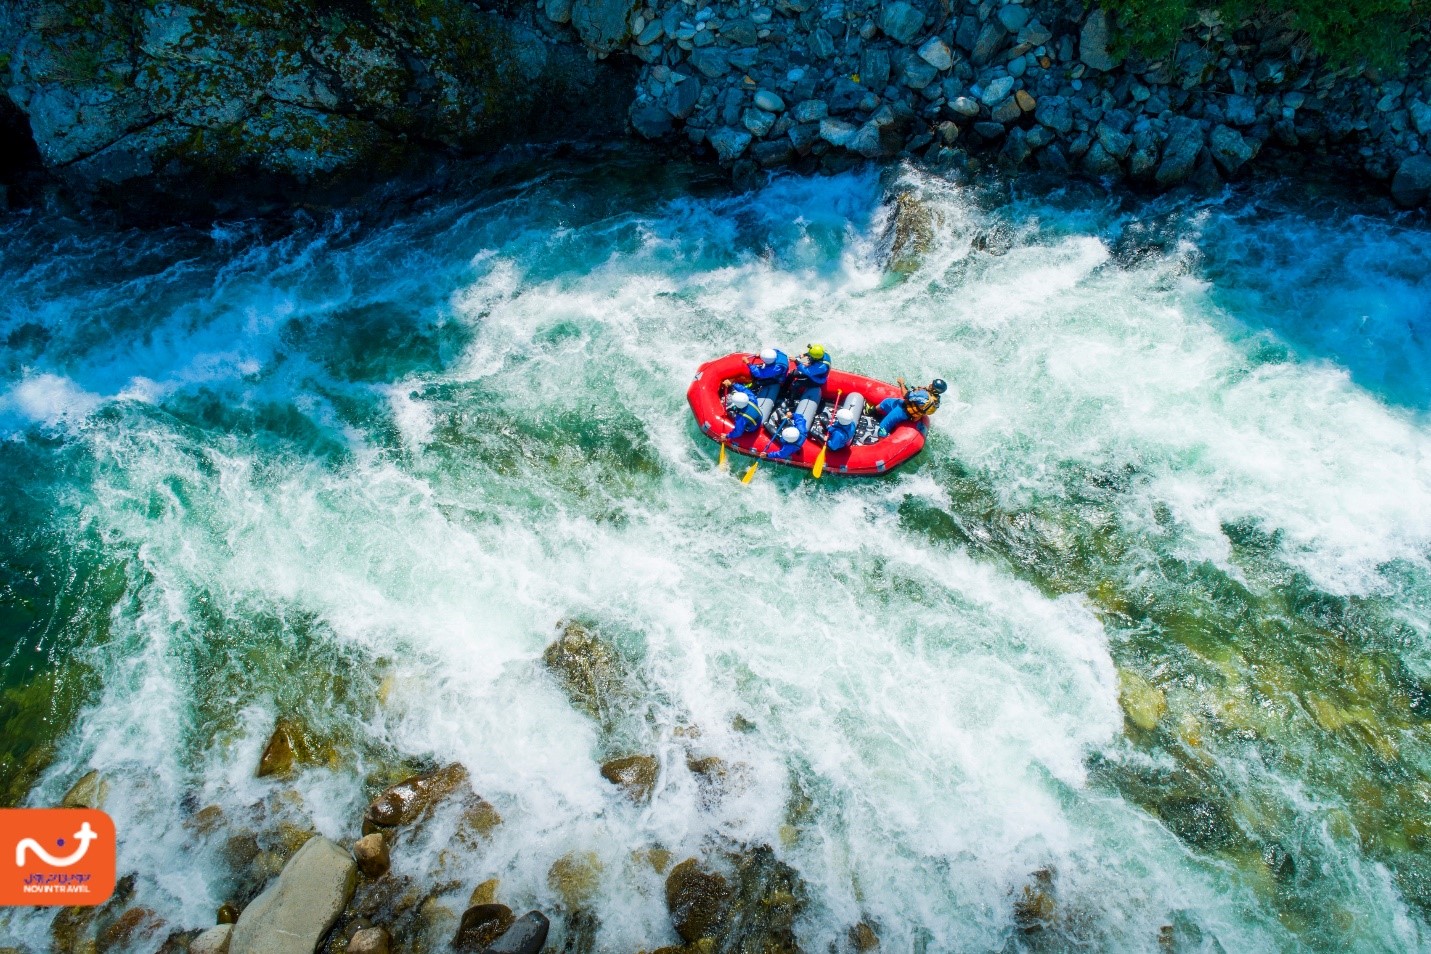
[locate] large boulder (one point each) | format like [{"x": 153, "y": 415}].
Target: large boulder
[
  {"x": 900, "y": 21},
  {"x": 604, "y": 25},
  {"x": 294, "y": 912},
  {"x": 1412, "y": 184},
  {"x": 1180, "y": 151},
  {"x": 588, "y": 668},
  {"x": 1230, "y": 149},
  {"x": 1093, "y": 41},
  {"x": 697, "y": 900}
]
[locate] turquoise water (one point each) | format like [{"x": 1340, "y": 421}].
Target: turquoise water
[{"x": 1150, "y": 615}]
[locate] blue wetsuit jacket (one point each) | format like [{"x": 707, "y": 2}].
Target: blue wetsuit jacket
[
  {"x": 787, "y": 450},
  {"x": 746, "y": 419},
  {"x": 776, "y": 370},
  {"x": 816, "y": 372},
  {"x": 839, "y": 436}
]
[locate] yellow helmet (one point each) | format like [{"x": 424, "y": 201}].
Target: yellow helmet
[{"x": 815, "y": 351}]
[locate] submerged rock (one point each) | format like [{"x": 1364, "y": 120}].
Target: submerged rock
[
  {"x": 1036, "y": 905},
  {"x": 412, "y": 798},
  {"x": 576, "y": 877},
  {"x": 1411, "y": 185},
  {"x": 635, "y": 774},
  {"x": 697, "y": 900},
  {"x": 1143, "y": 703},
  {"x": 910, "y": 233},
  {"x": 297, "y": 909},
  {"x": 589, "y": 669}
]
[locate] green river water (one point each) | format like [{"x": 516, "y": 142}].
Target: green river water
[{"x": 1144, "y": 631}]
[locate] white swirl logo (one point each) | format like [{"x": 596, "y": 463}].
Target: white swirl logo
[{"x": 84, "y": 836}]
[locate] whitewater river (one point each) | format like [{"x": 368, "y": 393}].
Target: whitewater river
[{"x": 1143, "y": 634}]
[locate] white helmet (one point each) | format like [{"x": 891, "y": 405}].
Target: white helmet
[
  {"x": 791, "y": 434},
  {"x": 845, "y": 416},
  {"x": 768, "y": 355},
  {"x": 740, "y": 399}
]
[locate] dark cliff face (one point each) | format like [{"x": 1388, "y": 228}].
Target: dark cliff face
[{"x": 213, "y": 102}]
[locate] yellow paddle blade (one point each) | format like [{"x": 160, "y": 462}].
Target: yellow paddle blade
[
  {"x": 819, "y": 467},
  {"x": 721, "y": 463},
  {"x": 750, "y": 474}
]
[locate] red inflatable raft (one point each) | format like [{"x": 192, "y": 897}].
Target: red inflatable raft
[{"x": 868, "y": 455}]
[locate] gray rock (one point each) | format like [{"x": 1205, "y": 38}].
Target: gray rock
[
  {"x": 803, "y": 136},
  {"x": 1421, "y": 118},
  {"x": 1093, "y": 42},
  {"x": 1038, "y": 137},
  {"x": 1230, "y": 150},
  {"x": 967, "y": 107},
  {"x": 744, "y": 58},
  {"x": 990, "y": 41},
  {"x": 1180, "y": 151},
  {"x": 768, "y": 101},
  {"x": 213, "y": 941},
  {"x": 682, "y": 98},
  {"x": 1035, "y": 34},
  {"x": 370, "y": 940},
  {"x": 869, "y": 141},
  {"x": 296, "y": 910},
  {"x": 711, "y": 61},
  {"x": 739, "y": 32},
  {"x": 1117, "y": 144},
  {"x": 810, "y": 111},
  {"x": 559, "y": 11},
  {"x": 1097, "y": 161},
  {"x": 1016, "y": 149},
  {"x": 997, "y": 90},
  {"x": 1412, "y": 184},
  {"x": 837, "y": 132},
  {"x": 604, "y": 25},
  {"x": 874, "y": 67},
  {"x": 918, "y": 74},
  {"x": 650, "y": 34},
  {"x": 1013, "y": 17},
  {"x": 650, "y": 119},
  {"x": 822, "y": 45},
  {"x": 967, "y": 33},
  {"x": 900, "y": 21},
  {"x": 989, "y": 131},
  {"x": 729, "y": 143},
  {"x": 937, "y": 54},
  {"x": 1006, "y": 112},
  {"x": 775, "y": 152},
  {"x": 758, "y": 121},
  {"x": 527, "y": 936},
  {"x": 1240, "y": 110}
]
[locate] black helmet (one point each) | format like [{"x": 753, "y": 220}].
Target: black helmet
[{"x": 938, "y": 386}]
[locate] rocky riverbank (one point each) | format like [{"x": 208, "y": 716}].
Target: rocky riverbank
[{"x": 192, "y": 98}]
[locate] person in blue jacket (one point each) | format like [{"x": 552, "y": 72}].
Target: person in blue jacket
[
  {"x": 916, "y": 405},
  {"x": 773, "y": 365},
  {"x": 813, "y": 366},
  {"x": 841, "y": 433},
  {"x": 744, "y": 413},
  {"x": 791, "y": 438}
]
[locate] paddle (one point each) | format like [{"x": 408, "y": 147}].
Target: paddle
[
  {"x": 721, "y": 462},
  {"x": 819, "y": 467},
  {"x": 750, "y": 474}
]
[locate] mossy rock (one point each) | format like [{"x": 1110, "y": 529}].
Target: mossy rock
[
  {"x": 291, "y": 746},
  {"x": 576, "y": 877},
  {"x": 768, "y": 899},
  {"x": 90, "y": 791},
  {"x": 636, "y": 775},
  {"x": 479, "y": 819},
  {"x": 697, "y": 900},
  {"x": 1143, "y": 703},
  {"x": 1037, "y": 904},
  {"x": 910, "y": 234},
  {"x": 590, "y": 671},
  {"x": 863, "y": 937},
  {"x": 484, "y": 893}
]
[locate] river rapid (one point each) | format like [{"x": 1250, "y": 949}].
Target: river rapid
[{"x": 1133, "y": 657}]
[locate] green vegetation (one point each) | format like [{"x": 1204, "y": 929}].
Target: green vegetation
[{"x": 1347, "y": 32}]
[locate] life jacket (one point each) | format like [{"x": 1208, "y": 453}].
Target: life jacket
[
  {"x": 750, "y": 412},
  {"x": 815, "y": 372},
  {"x": 775, "y": 370},
  {"x": 918, "y": 409}
]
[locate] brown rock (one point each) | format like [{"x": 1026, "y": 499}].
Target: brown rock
[
  {"x": 478, "y": 821},
  {"x": 696, "y": 899},
  {"x": 129, "y": 928},
  {"x": 1034, "y": 908},
  {"x": 590, "y": 671},
  {"x": 481, "y": 925},
  {"x": 281, "y": 753},
  {"x": 634, "y": 774},
  {"x": 371, "y": 853},
  {"x": 575, "y": 877},
  {"x": 372, "y": 940},
  {"x": 89, "y": 791},
  {"x": 484, "y": 893},
  {"x": 863, "y": 937},
  {"x": 228, "y": 913},
  {"x": 205, "y": 820},
  {"x": 412, "y": 798}
]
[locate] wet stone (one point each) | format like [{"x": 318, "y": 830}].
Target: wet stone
[{"x": 481, "y": 925}]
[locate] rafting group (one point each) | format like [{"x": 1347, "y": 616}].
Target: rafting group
[{"x": 802, "y": 412}]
